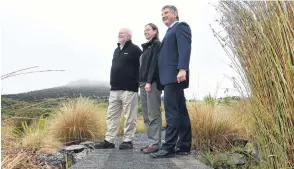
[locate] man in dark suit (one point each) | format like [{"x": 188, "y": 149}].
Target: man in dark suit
[{"x": 173, "y": 65}]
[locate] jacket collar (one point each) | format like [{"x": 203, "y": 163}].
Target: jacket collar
[
  {"x": 126, "y": 44},
  {"x": 173, "y": 24},
  {"x": 150, "y": 42}
]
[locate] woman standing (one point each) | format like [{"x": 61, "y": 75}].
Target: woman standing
[{"x": 150, "y": 89}]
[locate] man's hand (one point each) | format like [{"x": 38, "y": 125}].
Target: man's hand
[
  {"x": 148, "y": 87},
  {"x": 181, "y": 75}
]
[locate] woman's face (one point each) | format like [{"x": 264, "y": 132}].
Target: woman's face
[{"x": 149, "y": 32}]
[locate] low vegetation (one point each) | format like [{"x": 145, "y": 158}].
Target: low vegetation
[
  {"x": 214, "y": 126},
  {"x": 69, "y": 121},
  {"x": 79, "y": 120}
]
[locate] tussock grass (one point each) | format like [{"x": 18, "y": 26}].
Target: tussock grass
[
  {"x": 258, "y": 40},
  {"x": 79, "y": 120},
  {"x": 10, "y": 162},
  {"x": 8, "y": 139},
  {"x": 37, "y": 136},
  {"x": 20, "y": 157},
  {"x": 140, "y": 125},
  {"x": 14, "y": 155},
  {"x": 212, "y": 128}
]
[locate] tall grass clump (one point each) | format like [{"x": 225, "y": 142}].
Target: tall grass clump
[
  {"x": 79, "y": 120},
  {"x": 8, "y": 140},
  {"x": 258, "y": 37},
  {"x": 213, "y": 127},
  {"x": 20, "y": 146},
  {"x": 37, "y": 136}
]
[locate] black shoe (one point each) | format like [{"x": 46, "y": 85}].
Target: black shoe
[
  {"x": 126, "y": 145},
  {"x": 162, "y": 154},
  {"x": 182, "y": 152},
  {"x": 103, "y": 145}
]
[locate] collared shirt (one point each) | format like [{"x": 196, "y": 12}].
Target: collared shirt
[
  {"x": 173, "y": 24},
  {"x": 121, "y": 46}
]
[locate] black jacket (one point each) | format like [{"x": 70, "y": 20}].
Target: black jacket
[
  {"x": 148, "y": 68},
  {"x": 124, "y": 74}
]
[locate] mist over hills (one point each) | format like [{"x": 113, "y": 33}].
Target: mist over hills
[
  {"x": 82, "y": 87},
  {"x": 87, "y": 82}
]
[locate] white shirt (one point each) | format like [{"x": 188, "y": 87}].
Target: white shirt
[
  {"x": 173, "y": 24},
  {"x": 121, "y": 46}
]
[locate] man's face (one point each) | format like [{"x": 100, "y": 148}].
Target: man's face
[
  {"x": 123, "y": 36},
  {"x": 168, "y": 17}
]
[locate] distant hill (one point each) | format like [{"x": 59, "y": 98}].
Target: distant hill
[
  {"x": 74, "y": 89},
  {"x": 87, "y": 82}
]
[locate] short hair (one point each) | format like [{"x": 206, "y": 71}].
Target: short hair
[
  {"x": 154, "y": 27},
  {"x": 173, "y": 9},
  {"x": 129, "y": 31}
]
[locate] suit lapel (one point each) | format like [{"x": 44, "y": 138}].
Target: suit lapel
[
  {"x": 162, "y": 42},
  {"x": 163, "y": 39},
  {"x": 168, "y": 31}
]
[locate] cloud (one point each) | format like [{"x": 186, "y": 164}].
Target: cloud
[{"x": 80, "y": 37}]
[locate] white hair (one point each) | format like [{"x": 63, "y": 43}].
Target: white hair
[{"x": 128, "y": 31}]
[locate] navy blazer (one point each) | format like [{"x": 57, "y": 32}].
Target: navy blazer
[{"x": 175, "y": 54}]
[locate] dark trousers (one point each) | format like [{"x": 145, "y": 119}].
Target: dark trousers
[{"x": 178, "y": 126}]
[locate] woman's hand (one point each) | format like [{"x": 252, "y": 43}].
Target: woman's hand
[{"x": 148, "y": 87}]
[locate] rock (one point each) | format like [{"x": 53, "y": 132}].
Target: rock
[
  {"x": 65, "y": 157},
  {"x": 229, "y": 160},
  {"x": 55, "y": 160},
  {"x": 79, "y": 156},
  {"x": 238, "y": 142},
  {"x": 74, "y": 148},
  {"x": 255, "y": 155},
  {"x": 251, "y": 153},
  {"x": 88, "y": 144},
  {"x": 237, "y": 159}
]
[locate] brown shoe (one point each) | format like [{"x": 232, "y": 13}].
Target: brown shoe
[
  {"x": 150, "y": 150},
  {"x": 143, "y": 148}
]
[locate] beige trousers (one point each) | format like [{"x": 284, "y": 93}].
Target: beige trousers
[{"x": 122, "y": 101}]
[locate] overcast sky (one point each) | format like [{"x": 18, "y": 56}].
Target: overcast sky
[{"x": 80, "y": 37}]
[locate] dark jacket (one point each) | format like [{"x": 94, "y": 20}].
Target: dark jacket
[
  {"x": 175, "y": 54},
  {"x": 124, "y": 74},
  {"x": 148, "y": 68}
]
